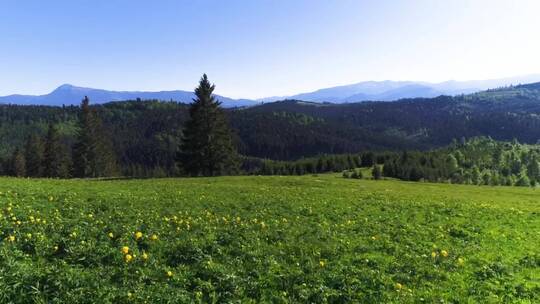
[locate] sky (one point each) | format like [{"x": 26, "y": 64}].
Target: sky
[{"x": 261, "y": 48}]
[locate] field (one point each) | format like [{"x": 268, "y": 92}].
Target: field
[{"x": 322, "y": 239}]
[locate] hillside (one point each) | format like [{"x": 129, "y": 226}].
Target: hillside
[
  {"x": 316, "y": 239},
  {"x": 146, "y": 133},
  {"x": 419, "y": 123}
]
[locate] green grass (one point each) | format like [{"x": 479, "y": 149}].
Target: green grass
[{"x": 322, "y": 239}]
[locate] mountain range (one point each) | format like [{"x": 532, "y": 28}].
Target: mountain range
[
  {"x": 72, "y": 95},
  {"x": 395, "y": 90},
  {"x": 363, "y": 91}
]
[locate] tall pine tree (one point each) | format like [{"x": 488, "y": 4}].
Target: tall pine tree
[
  {"x": 92, "y": 153},
  {"x": 18, "y": 163},
  {"x": 56, "y": 160},
  {"x": 207, "y": 148},
  {"x": 33, "y": 154}
]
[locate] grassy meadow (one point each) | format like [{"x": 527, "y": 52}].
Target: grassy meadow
[{"x": 250, "y": 239}]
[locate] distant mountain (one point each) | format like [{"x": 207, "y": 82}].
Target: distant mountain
[
  {"x": 72, "y": 95},
  {"x": 395, "y": 90},
  {"x": 364, "y": 91}
]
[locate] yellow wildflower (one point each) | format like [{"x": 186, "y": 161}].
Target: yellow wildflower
[
  {"x": 125, "y": 250},
  {"x": 169, "y": 274},
  {"x": 128, "y": 258},
  {"x": 111, "y": 235},
  {"x": 154, "y": 237},
  {"x": 444, "y": 253},
  {"x": 138, "y": 235}
]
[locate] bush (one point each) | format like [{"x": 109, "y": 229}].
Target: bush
[{"x": 357, "y": 173}]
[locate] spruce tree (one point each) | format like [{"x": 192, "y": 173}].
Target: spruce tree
[
  {"x": 92, "y": 152},
  {"x": 56, "y": 160},
  {"x": 207, "y": 148},
  {"x": 33, "y": 154},
  {"x": 19, "y": 163},
  {"x": 376, "y": 172},
  {"x": 83, "y": 150}
]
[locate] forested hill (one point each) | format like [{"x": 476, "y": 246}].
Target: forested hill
[
  {"x": 145, "y": 134},
  {"x": 290, "y": 129}
]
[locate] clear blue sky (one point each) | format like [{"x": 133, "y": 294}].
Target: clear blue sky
[{"x": 257, "y": 48}]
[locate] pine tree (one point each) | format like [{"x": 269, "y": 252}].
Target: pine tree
[
  {"x": 92, "y": 152},
  {"x": 451, "y": 165},
  {"x": 56, "y": 160},
  {"x": 33, "y": 154},
  {"x": 533, "y": 170},
  {"x": 207, "y": 148},
  {"x": 19, "y": 163},
  {"x": 368, "y": 159},
  {"x": 376, "y": 172},
  {"x": 84, "y": 148},
  {"x": 475, "y": 175}
]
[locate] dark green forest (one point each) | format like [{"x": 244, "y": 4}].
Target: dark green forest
[{"x": 144, "y": 136}]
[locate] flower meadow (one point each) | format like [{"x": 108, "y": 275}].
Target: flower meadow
[{"x": 308, "y": 239}]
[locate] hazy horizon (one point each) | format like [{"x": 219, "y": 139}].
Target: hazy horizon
[{"x": 536, "y": 75}]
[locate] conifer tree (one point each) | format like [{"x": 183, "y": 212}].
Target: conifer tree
[
  {"x": 92, "y": 152},
  {"x": 376, "y": 172},
  {"x": 19, "y": 163},
  {"x": 207, "y": 148},
  {"x": 56, "y": 160},
  {"x": 84, "y": 148},
  {"x": 33, "y": 154}
]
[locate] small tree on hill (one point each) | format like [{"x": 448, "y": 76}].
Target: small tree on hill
[
  {"x": 33, "y": 154},
  {"x": 207, "y": 148},
  {"x": 19, "y": 163},
  {"x": 56, "y": 160},
  {"x": 376, "y": 172}
]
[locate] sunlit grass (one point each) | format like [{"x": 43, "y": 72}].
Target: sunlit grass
[{"x": 267, "y": 239}]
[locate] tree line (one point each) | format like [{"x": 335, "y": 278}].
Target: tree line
[
  {"x": 474, "y": 161},
  {"x": 477, "y": 161},
  {"x": 91, "y": 155},
  {"x": 153, "y": 138},
  {"x": 206, "y": 145}
]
